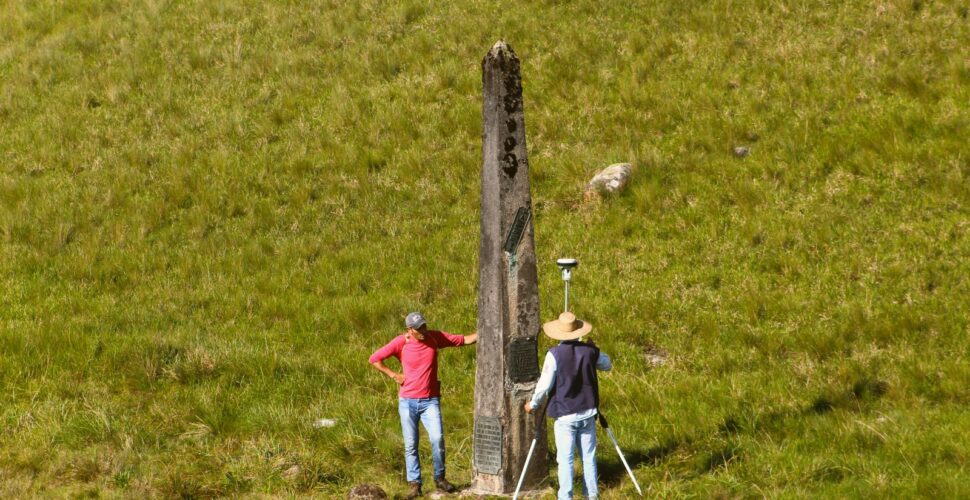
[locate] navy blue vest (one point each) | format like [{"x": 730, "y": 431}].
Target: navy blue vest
[{"x": 576, "y": 388}]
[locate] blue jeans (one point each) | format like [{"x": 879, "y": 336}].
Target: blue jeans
[
  {"x": 428, "y": 411},
  {"x": 569, "y": 437}
]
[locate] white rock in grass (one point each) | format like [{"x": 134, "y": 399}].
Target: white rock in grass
[
  {"x": 741, "y": 151},
  {"x": 611, "y": 179},
  {"x": 325, "y": 422}
]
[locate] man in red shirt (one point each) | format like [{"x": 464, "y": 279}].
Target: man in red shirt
[{"x": 419, "y": 396}]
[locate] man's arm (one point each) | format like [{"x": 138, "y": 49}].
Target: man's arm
[
  {"x": 445, "y": 339},
  {"x": 544, "y": 385},
  {"x": 393, "y": 348},
  {"x": 603, "y": 363},
  {"x": 381, "y": 367}
]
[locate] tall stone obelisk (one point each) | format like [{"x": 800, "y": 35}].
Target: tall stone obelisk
[{"x": 508, "y": 297}]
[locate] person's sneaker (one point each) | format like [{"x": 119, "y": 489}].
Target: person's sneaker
[
  {"x": 414, "y": 491},
  {"x": 444, "y": 486}
]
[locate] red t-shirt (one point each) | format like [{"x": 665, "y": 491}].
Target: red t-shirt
[{"x": 419, "y": 358}]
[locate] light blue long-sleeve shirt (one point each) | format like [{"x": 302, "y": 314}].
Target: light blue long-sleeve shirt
[{"x": 548, "y": 378}]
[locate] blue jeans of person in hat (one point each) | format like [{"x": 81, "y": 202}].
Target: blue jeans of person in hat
[
  {"x": 428, "y": 412},
  {"x": 570, "y": 436}
]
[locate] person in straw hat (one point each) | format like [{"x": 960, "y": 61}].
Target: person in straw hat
[{"x": 569, "y": 380}]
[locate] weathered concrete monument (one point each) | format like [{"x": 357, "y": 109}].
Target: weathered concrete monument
[{"x": 508, "y": 300}]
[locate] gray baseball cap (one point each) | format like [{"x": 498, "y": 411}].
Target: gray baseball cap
[{"x": 414, "y": 320}]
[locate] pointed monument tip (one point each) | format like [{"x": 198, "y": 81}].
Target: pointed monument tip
[
  {"x": 500, "y": 46},
  {"x": 500, "y": 51}
]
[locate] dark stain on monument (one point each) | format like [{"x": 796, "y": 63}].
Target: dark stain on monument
[
  {"x": 509, "y": 144},
  {"x": 513, "y": 92},
  {"x": 511, "y": 164},
  {"x": 510, "y": 123},
  {"x": 512, "y": 103}
]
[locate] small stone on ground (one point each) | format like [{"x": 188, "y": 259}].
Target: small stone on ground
[
  {"x": 325, "y": 422},
  {"x": 654, "y": 355},
  {"x": 611, "y": 179},
  {"x": 366, "y": 492},
  {"x": 292, "y": 472}
]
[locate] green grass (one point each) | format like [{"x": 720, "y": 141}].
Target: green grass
[{"x": 211, "y": 213}]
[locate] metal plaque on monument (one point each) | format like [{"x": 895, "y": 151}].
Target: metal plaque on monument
[{"x": 508, "y": 301}]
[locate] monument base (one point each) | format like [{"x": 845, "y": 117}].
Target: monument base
[{"x": 533, "y": 493}]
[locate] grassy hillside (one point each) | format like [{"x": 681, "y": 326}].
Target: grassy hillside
[{"x": 211, "y": 213}]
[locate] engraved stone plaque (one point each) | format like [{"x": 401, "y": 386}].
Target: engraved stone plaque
[
  {"x": 488, "y": 445},
  {"x": 523, "y": 360},
  {"x": 515, "y": 232}
]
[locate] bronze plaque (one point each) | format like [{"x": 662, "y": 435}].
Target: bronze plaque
[
  {"x": 515, "y": 232},
  {"x": 488, "y": 445},
  {"x": 523, "y": 360}
]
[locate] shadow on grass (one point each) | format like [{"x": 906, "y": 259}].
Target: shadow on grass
[
  {"x": 611, "y": 471},
  {"x": 720, "y": 459},
  {"x": 863, "y": 392}
]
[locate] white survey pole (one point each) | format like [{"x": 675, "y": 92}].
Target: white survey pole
[
  {"x": 518, "y": 487},
  {"x": 606, "y": 425},
  {"x": 566, "y": 265}
]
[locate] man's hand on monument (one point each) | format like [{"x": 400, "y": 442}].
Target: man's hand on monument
[{"x": 528, "y": 407}]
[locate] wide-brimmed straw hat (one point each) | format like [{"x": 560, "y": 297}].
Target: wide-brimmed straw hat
[{"x": 567, "y": 327}]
